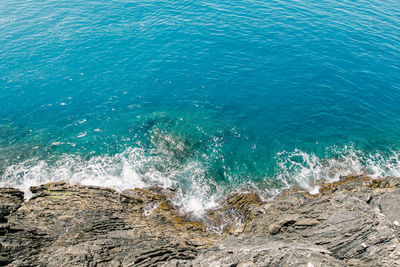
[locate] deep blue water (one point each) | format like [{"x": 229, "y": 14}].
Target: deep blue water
[{"x": 205, "y": 96}]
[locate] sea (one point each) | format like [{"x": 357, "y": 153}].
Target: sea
[{"x": 208, "y": 97}]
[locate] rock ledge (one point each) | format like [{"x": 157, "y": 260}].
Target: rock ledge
[{"x": 353, "y": 222}]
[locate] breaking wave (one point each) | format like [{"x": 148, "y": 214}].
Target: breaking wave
[
  {"x": 305, "y": 169},
  {"x": 196, "y": 191}
]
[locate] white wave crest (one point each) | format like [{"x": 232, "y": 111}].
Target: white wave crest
[
  {"x": 134, "y": 168},
  {"x": 195, "y": 190},
  {"x": 298, "y": 168}
]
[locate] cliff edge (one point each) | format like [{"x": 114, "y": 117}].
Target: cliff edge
[{"x": 353, "y": 222}]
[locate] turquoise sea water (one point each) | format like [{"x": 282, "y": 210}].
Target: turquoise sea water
[{"x": 208, "y": 97}]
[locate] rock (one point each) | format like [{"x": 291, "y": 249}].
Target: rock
[
  {"x": 66, "y": 225},
  {"x": 306, "y": 222},
  {"x": 339, "y": 221},
  {"x": 353, "y": 222},
  {"x": 274, "y": 228},
  {"x": 388, "y": 204},
  {"x": 10, "y": 200},
  {"x": 263, "y": 251}
]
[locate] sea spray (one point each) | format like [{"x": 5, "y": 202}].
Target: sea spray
[{"x": 195, "y": 191}]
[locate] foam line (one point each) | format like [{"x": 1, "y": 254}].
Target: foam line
[{"x": 195, "y": 191}]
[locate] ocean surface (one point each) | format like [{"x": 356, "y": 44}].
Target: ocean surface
[{"x": 207, "y": 97}]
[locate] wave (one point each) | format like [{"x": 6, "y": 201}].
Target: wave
[
  {"x": 306, "y": 169},
  {"x": 195, "y": 190},
  {"x": 134, "y": 168}
]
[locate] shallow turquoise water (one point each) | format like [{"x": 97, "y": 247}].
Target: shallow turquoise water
[{"x": 205, "y": 96}]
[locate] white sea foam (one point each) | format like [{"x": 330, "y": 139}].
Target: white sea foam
[
  {"x": 134, "y": 168},
  {"x": 304, "y": 169},
  {"x": 195, "y": 191}
]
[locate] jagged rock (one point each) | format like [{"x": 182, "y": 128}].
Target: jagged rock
[
  {"x": 10, "y": 200},
  {"x": 343, "y": 221},
  {"x": 388, "y": 204},
  {"x": 354, "y": 222},
  {"x": 262, "y": 251},
  {"x": 64, "y": 225}
]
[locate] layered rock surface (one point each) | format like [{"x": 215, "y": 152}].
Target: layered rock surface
[{"x": 354, "y": 222}]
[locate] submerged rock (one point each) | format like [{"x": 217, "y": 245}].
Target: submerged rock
[{"x": 354, "y": 222}]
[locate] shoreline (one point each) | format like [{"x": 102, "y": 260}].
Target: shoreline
[{"x": 351, "y": 222}]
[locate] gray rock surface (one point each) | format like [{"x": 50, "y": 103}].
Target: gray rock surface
[
  {"x": 353, "y": 222},
  {"x": 86, "y": 226},
  {"x": 262, "y": 251}
]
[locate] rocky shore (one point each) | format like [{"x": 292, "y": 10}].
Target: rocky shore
[{"x": 353, "y": 222}]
